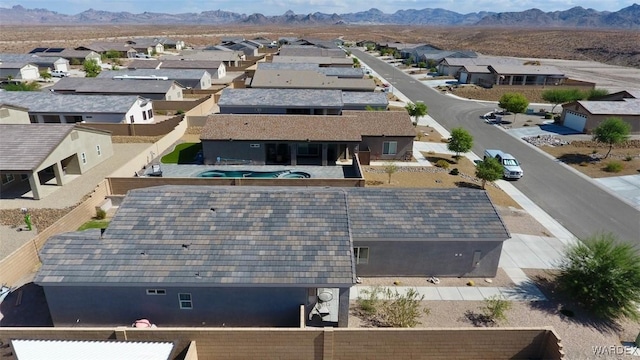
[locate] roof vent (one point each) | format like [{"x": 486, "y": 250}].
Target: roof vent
[
  {"x": 213, "y": 209},
  {"x": 185, "y": 246}
]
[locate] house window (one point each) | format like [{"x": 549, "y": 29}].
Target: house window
[
  {"x": 131, "y": 119},
  {"x": 309, "y": 149},
  {"x": 24, "y": 177},
  {"x": 185, "y": 301},
  {"x": 361, "y": 255},
  {"x": 83, "y": 156},
  {"x": 389, "y": 147},
  {"x": 98, "y": 150},
  {"x": 156, "y": 292},
  {"x": 6, "y": 178},
  {"x": 144, "y": 115},
  {"x": 150, "y": 113},
  {"x": 254, "y": 145}
]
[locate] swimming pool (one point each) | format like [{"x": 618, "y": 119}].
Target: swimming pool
[{"x": 282, "y": 174}]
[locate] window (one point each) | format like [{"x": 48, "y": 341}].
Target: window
[
  {"x": 83, "y": 156},
  {"x": 254, "y": 145},
  {"x": 24, "y": 177},
  {"x": 389, "y": 147},
  {"x": 156, "y": 292},
  {"x": 185, "y": 301},
  {"x": 6, "y": 178},
  {"x": 150, "y": 113},
  {"x": 131, "y": 119},
  {"x": 98, "y": 150},
  {"x": 361, "y": 254},
  {"x": 144, "y": 115},
  {"x": 309, "y": 149}
]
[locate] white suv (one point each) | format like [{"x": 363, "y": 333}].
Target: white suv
[{"x": 59, "y": 73}]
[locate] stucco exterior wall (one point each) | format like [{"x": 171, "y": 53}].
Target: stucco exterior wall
[
  {"x": 136, "y": 111},
  {"x": 121, "y": 305},
  {"x": 239, "y": 150},
  {"x": 429, "y": 257},
  {"x": 376, "y": 144},
  {"x": 10, "y": 115},
  {"x": 87, "y": 143}
]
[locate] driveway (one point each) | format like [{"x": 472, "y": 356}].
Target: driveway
[{"x": 626, "y": 187}]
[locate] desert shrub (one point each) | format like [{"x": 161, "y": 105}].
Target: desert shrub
[
  {"x": 548, "y": 116},
  {"x": 495, "y": 308},
  {"x": 75, "y": 61},
  {"x": 100, "y": 214},
  {"x": 628, "y": 158},
  {"x": 402, "y": 310},
  {"x": 370, "y": 303},
  {"x": 442, "y": 164},
  {"x": 454, "y": 171},
  {"x": 614, "y": 167}
]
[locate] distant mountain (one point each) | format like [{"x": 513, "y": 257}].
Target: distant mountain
[{"x": 626, "y": 18}]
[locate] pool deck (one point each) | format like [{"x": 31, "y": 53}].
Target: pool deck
[{"x": 316, "y": 172}]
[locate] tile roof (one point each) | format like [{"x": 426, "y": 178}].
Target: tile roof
[
  {"x": 477, "y": 69},
  {"x": 29, "y": 59},
  {"x": 309, "y": 50},
  {"x": 24, "y": 147},
  {"x": 259, "y": 236},
  {"x": 433, "y": 214},
  {"x": 483, "y": 60},
  {"x": 323, "y": 60},
  {"x": 350, "y": 126},
  {"x": 281, "y": 97},
  {"x": 526, "y": 70},
  {"x": 48, "y": 102},
  {"x": 212, "y": 236},
  {"x": 106, "y": 86},
  {"x": 625, "y": 107},
  {"x": 374, "y": 99},
  {"x": 144, "y": 64},
  {"x": 190, "y": 64},
  {"x": 307, "y": 79},
  {"x": 329, "y": 71},
  {"x": 172, "y": 74}
]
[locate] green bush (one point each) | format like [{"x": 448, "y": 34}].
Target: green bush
[
  {"x": 602, "y": 274},
  {"x": 495, "y": 308},
  {"x": 454, "y": 171},
  {"x": 100, "y": 214},
  {"x": 548, "y": 116},
  {"x": 628, "y": 158},
  {"x": 402, "y": 310},
  {"x": 614, "y": 167},
  {"x": 442, "y": 164}
]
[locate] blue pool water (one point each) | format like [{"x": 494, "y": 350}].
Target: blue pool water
[{"x": 283, "y": 174}]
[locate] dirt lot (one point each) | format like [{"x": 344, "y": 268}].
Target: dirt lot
[
  {"x": 501, "y": 279},
  {"x": 588, "y": 157},
  {"x": 494, "y": 94}
]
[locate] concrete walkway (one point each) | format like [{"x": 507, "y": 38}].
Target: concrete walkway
[{"x": 525, "y": 292}]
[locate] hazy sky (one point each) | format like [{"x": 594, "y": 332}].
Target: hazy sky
[{"x": 277, "y": 7}]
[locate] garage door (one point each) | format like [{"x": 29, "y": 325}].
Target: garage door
[
  {"x": 463, "y": 77},
  {"x": 575, "y": 121},
  {"x": 29, "y": 73},
  {"x": 62, "y": 67}
]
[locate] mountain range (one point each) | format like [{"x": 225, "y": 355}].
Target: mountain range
[{"x": 576, "y": 17}]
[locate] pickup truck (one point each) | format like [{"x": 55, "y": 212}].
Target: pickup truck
[
  {"x": 59, "y": 73},
  {"x": 512, "y": 169}
]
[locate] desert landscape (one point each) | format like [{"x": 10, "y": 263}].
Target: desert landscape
[{"x": 614, "y": 47}]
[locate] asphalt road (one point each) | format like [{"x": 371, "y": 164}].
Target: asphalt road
[{"x": 578, "y": 204}]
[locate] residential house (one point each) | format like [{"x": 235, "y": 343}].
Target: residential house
[
  {"x": 195, "y": 79},
  {"x": 310, "y": 51},
  {"x": 339, "y": 72},
  {"x": 367, "y": 44},
  {"x": 320, "y": 60},
  {"x": 208, "y": 255},
  {"x": 165, "y": 43},
  {"x": 48, "y": 107},
  {"x": 287, "y": 40},
  {"x": 585, "y": 115},
  {"x": 297, "y": 101},
  {"x": 525, "y": 75},
  {"x": 151, "y": 89},
  {"x": 451, "y": 66},
  {"x": 319, "y": 43},
  {"x": 217, "y": 69},
  {"x": 102, "y": 47},
  {"x": 74, "y": 56},
  {"x": 475, "y": 74},
  {"x": 307, "y": 139},
  {"x": 11, "y": 114},
  {"x": 433, "y": 57},
  {"x": 92, "y": 349},
  {"x": 216, "y": 255},
  {"x": 229, "y": 58},
  {"x": 36, "y": 157},
  {"x": 268, "y": 43},
  {"x": 18, "y": 71},
  {"x": 43, "y": 63},
  {"x": 307, "y": 79}
]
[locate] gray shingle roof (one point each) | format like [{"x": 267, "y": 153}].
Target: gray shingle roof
[
  {"x": 29, "y": 59},
  {"x": 310, "y": 50},
  {"x": 323, "y": 60},
  {"x": 625, "y": 107},
  {"x": 48, "y": 102},
  {"x": 374, "y": 99},
  {"x": 171, "y": 235},
  {"x": 24, "y": 147},
  {"x": 527, "y": 70},
  {"x": 259, "y": 236},
  {"x": 281, "y": 97},
  {"x": 106, "y": 86}
]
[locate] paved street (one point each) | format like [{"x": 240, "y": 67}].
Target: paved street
[{"x": 577, "y": 203}]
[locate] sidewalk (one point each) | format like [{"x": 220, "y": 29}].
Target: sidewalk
[{"x": 526, "y": 292}]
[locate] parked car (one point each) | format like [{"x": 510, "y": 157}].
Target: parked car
[
  {"x": 59, "y": 73},
  {"x": 511, "y": 166}
]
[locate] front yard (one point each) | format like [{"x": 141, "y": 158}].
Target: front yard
[{"x": 588, "y": 158}]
